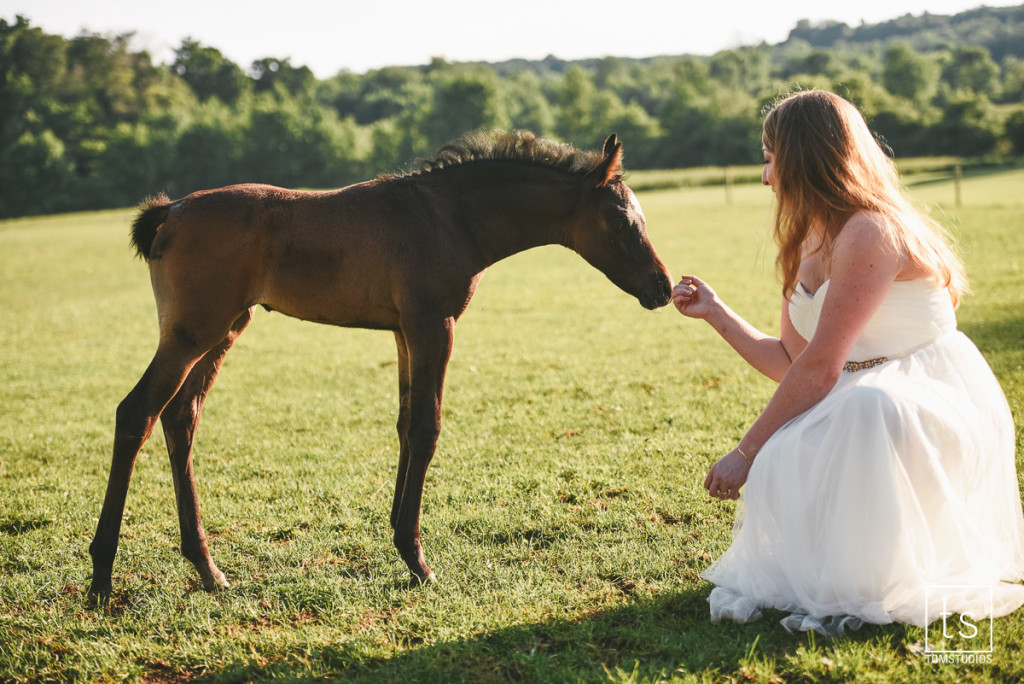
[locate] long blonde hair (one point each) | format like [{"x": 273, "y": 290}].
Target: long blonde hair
[{"x": 828, "y": 167}]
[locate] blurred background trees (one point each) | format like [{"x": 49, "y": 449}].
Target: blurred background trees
[{"x": 87, "y": 123}]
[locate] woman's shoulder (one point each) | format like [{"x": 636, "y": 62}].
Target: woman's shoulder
[
  {"x": 868, "y": 232},
  {"x": 866, "y": 221},
  {"x": 864, "y": 240},
  {"x": 869, "y": 237}
]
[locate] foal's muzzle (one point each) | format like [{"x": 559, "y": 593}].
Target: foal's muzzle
[{"x": 656, "y": 292}]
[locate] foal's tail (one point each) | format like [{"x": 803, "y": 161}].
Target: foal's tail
[{"x": 152, "y": 213}]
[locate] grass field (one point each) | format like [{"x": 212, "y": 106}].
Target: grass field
[{"x": 563, "y": 512}]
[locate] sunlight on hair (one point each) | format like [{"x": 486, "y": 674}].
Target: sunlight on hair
[{"x": 830, "y": 166}]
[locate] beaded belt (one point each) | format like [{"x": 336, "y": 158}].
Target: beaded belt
[{"x": 854, "y": 366}]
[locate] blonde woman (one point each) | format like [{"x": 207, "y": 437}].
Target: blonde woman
[{"x": 881, "y": 474}]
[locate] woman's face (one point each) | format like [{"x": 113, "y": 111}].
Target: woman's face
[{"x": 768, "y": 173}]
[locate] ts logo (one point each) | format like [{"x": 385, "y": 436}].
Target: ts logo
[{"x": 961, "y": 633}]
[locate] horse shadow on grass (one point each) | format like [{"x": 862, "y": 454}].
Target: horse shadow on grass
[{"x": 649, "y": 639}]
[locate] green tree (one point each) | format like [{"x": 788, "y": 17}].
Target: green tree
[
  {"x": 1013, "y": 80},
  {"x": 906, "y": 127},
  {"x": 381, "y": 94},
  {"x": 587, "y": 115},
  {"x": 208, "y": 150},
  {"x": 105, "y": 76},
  {"x": 407, "y": 99},
  {"x": 27, "y": 54},
  {"x": 908, "y": 74},
  {"x": 33, "y": 66},
  {"x": 869, "y": 95},
  {"x": 745, "y": 69},
  {"x": 1015, "y": 130},
  {"x": 815, "y": 63},
  {"x": 634, "y": 126},
  {"x": 209, "y": 73},
  {"x": 576, "y": 99},
  {"x": 271, "y": 75},
  {"x": 296, "y": 143},
  {"x": 387, "y": 143},
  {"x": 823, "y": 34},
  {"x": 971, "y": 68},
  {"x": 35, "y": 176},
  {"x": 136, "y": 161},
  {"x": 969, "y": 126},
  {"x": 464, "y": 101},
  {"x": 525, "y": 104},
  {"x": 709, "y": 126}
]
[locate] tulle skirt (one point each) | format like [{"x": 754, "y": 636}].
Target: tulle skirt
[{"x": 900, "y": 482}]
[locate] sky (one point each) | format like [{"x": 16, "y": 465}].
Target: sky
[{"x": 330, "y": 36}]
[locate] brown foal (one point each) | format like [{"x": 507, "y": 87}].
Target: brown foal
[{"x": 402, "y": 253}]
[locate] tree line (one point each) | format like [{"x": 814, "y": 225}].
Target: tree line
[{"x": 88, "y": 123}]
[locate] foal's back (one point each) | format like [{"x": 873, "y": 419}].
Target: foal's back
[{"x": 332, "y": 257}]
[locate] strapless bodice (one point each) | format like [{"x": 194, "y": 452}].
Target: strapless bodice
[{"x": 913, "y": 313}]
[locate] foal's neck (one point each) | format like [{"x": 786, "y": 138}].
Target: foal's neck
[{"x": 508, "y": 208}]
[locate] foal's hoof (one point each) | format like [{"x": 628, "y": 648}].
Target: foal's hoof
[
  {"x": 417, "y": 580},
  {"x": 99, "y": 593},
  {"x": 214, "y": 581}
]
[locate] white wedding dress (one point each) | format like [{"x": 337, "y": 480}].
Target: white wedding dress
[{"x": 900, "y": 482}]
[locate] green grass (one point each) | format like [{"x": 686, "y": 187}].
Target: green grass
[{"x": 563, "y": 512}]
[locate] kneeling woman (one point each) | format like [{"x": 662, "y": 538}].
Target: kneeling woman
[{"x": 882, "y": 470}]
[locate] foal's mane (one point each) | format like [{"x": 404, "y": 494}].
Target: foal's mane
[{"x": 517, "y": 146}]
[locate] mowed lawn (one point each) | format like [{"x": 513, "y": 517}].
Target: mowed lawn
[{"x": 563, "y": 513}]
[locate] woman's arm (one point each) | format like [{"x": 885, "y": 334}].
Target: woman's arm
[
  {"x": 863, "y": 269},
  {"x": 769, "y": 355}
]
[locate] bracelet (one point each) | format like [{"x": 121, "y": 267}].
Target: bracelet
[{"x": 746, "y": 458}]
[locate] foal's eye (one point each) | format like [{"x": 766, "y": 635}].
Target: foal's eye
[{"x": 619, "y": 225}]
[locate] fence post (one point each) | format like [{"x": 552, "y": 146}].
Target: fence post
[
  {"x": 958, "y": 176},
  {"x": 728, "y": 185}
]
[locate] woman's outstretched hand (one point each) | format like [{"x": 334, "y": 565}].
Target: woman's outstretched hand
[
  {"x": 727, "y": 476},
  {"x": 693, "y": 297}
]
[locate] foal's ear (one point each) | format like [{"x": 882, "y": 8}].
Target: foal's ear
[
  {"x": 612, "y": 145},
  {"x": 610, "y": 168}
]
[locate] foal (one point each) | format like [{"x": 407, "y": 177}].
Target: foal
[{"x": 402, "y": 253}]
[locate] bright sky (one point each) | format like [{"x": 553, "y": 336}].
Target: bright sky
[{"x": 333, "y": 35}]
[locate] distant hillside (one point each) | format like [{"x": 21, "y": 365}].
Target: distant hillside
[{"x": 999, "y": 29}]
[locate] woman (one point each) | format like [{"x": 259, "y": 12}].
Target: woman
[{"x": 881, "y": 473}]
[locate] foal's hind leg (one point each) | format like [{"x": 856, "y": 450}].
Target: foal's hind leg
[
  {"x": 180, "y": 420},
  {"x": 136, "y": 417}
]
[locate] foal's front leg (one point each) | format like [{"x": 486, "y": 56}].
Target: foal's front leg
[
  {"x": 402, "y": 426},
  {"x": 429, "y": 350}
]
